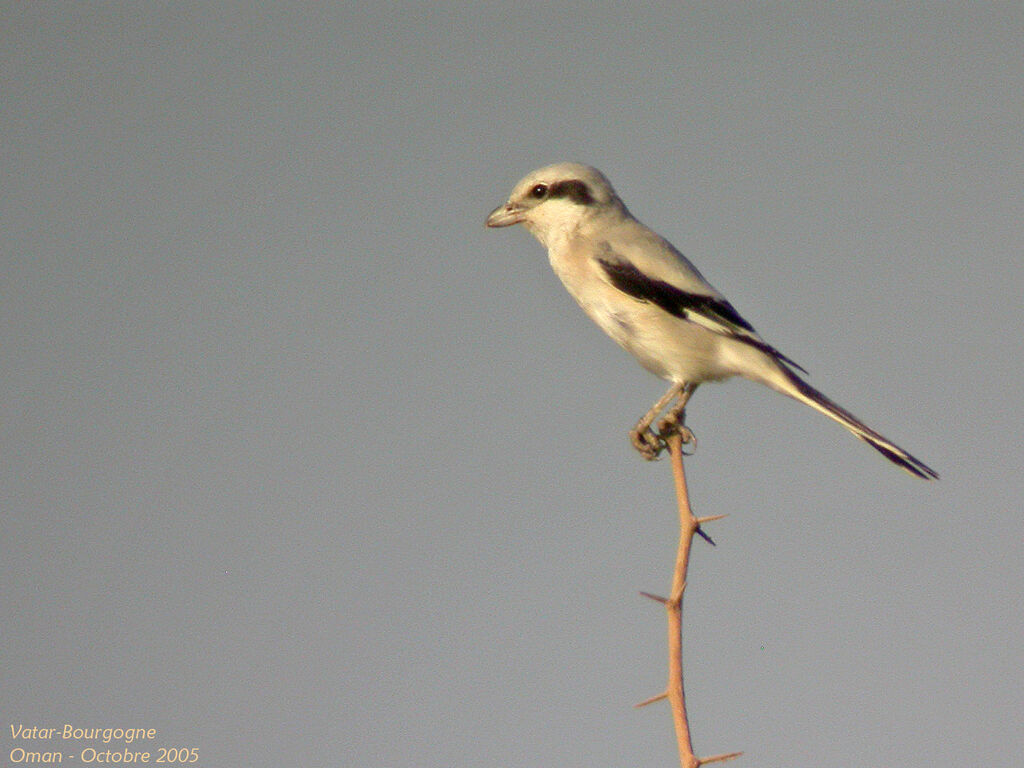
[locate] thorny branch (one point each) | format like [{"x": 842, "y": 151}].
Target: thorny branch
[{"x": 672, "y": 431}]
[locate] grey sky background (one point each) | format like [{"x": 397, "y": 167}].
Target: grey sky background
[{"x": 302, "y": 465}]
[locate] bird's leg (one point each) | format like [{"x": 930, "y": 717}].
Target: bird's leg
[
  {"x": 674, "y": 419},
  {"x": 642, "y": 436}
]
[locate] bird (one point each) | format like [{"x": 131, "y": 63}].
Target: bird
[{"x": 655, "y": 304}]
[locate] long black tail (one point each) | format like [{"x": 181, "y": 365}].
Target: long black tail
[{"x": 805, "y": 393}]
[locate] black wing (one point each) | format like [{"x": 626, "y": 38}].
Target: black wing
[{"x": 715, "y": 314}]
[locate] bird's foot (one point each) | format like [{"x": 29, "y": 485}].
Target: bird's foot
[
  {"x": 672, "y": 424},
  {"x": 651, "y": 443},
  {"x": 647, "y": 442}
]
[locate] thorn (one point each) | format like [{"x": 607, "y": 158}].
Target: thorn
[
  {"x": 655, "y": 598},
  {"x": 710, "y": 518},
  {"x": 700, "y": 532},
  {"x": 718, "y": 758},
  {"x": 651, "y": 700}
]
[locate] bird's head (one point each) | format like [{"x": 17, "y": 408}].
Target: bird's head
[{"x": 557, "y": 198}]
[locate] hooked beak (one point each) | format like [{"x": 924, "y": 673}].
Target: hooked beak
[{"x": 504, "y": 216}]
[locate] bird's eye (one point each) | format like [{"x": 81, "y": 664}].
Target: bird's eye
[{"x": 539, "y": 191}]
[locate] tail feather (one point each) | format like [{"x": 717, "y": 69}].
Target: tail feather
[{"x": 812, "y": 397}]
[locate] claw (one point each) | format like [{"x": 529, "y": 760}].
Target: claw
[
  {"x": 672, "y": 425},
  {"x": 647, "y": 443},
  {"x": 688, "y": 439}
]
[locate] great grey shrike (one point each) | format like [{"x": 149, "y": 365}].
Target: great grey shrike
[{"x": 654, "y": 303}]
